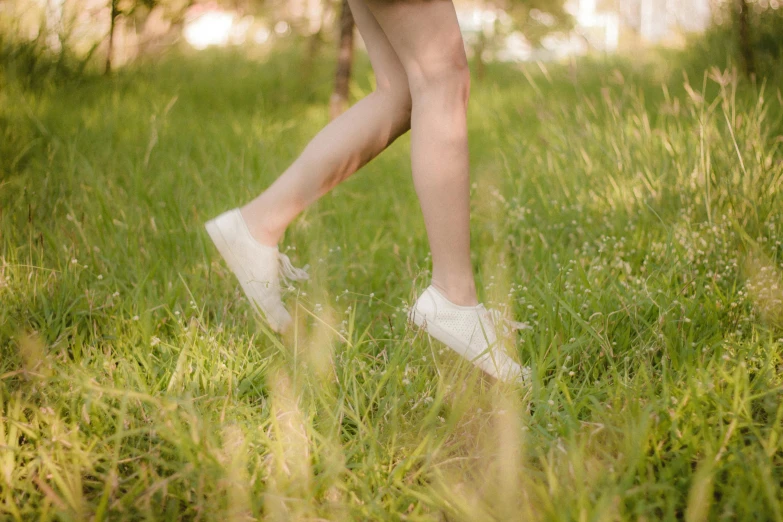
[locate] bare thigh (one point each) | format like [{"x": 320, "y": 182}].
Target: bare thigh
[
  {"x": 388, "y": 69},
  {"x": 425, "y": 36}
]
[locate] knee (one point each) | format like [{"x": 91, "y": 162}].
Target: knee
[
  {"x": 398, "y": 97},
  {"x": 447, "y": 77}
]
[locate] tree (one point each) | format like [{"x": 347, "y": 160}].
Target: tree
[
  {"x": 746, "y": 49},
  {"x": 339, "y": 100},
  {"x": 114, "y": 14},
  {"x": 534, "y": 18},
  {"x": 136, "y": 13}
]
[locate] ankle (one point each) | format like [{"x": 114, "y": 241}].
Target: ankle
[
  {"x": 262, "y": 233},
  {"x": 463, "y": 294}
]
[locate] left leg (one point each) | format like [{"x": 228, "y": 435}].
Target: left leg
[
  {"x": 247, "y": 238},
  {"x": 344, "y": 145}
]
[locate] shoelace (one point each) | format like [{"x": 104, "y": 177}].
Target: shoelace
[
  {"x": 289, "y": 272},
  {"x": 508, "y": 325}
]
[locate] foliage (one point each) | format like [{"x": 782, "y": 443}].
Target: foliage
[
  {"x": 720, "y": 44},
  {"x": 534, "y": 19},
  {"x": 538, "y": 18},
  {"x": 41, "y": 43},
  {"x": 31, "y": 52},
  {"x": 634, "y": 225}
]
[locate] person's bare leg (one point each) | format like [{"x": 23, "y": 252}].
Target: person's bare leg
[
  {"x": 428, "y": 41},
  {"x": 344, "y": 145}
]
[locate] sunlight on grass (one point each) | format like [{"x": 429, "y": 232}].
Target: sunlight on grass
[{"x": 627, "y": 216}]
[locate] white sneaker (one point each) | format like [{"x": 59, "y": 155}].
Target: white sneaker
[
  {"x": 258, "y": 267},
  {"x": 469, "y": 331}
]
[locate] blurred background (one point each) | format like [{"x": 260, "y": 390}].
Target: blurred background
[{"x": 77, "y": 35}]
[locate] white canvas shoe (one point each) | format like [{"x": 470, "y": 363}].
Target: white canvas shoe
[
  {"x": 258, "y": 267},
  {"x": 469, "y": 331}
]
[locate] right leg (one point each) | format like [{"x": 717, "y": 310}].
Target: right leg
[
  {"x": 427, "y": 39},
  {"x": 344, "y": 145}
]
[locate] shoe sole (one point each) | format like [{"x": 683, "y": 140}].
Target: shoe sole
[
  {"x": 225, "y": 251},
  {"x": 446, "y": 338}
]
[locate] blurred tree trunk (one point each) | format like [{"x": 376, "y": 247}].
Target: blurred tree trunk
[
  {"x": 140, "y": 27},
  {"x": 114, "y": 14},
  {"x": 339, "y": 101},
  {"x": 177, "y": 27},
  {"x": 316, "y": 39},
  {"x": 744, "y": 39},
  {"x": 478, "y": 54},
  {"x": 480, "y": 45},
  {"x": 314, "y": 42}
]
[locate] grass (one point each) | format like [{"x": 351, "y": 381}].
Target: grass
[{"x": 633, "y": 219}]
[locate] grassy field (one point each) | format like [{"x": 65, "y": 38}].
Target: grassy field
[{"x": 629, "y": 212}]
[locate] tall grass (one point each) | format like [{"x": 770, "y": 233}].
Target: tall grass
[{"x": 630, "y": 217}]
